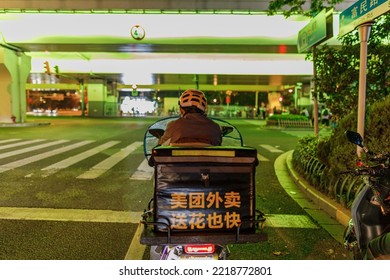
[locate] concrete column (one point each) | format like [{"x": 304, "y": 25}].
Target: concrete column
[
  {"x": 14, "y": 70},
  {"x": 96, "y": 98}
]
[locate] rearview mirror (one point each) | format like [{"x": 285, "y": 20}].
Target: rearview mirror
[
  {"x": 355, "y": 138},
  {"x": 156, "y": 132},
  {"x": 226, "y": 130}
]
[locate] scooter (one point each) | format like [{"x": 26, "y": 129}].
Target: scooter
[
  {"x": 204, "y": 197},
  {"x": 370, "y": 209}
]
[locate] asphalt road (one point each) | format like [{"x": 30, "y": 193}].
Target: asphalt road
[{"x": 71, "y": 193}]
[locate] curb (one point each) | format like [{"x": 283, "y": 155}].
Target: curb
[
  {"x": 334, "y": 209},
  {"x": 22, "y": 124}
]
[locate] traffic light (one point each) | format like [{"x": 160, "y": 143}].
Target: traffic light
[
  {"x": 134, "y": 92},
  {"x": 47, "y": 67},
  {"x": 57, "y": 71}
]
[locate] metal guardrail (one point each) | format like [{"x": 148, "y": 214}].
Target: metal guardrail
[
  {"x": 343, "y": 189},
  {"x": 290, "y": 123}
]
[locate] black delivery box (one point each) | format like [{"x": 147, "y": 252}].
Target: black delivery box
[{"x": 204, "y": 189}]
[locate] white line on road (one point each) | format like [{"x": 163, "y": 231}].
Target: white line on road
[
  {"x": 143, "y": 172},
  {"x": 271, "y": 149},
  {"x": 13, "y": 145},
  {"x": 108, "y": 163},
  {"x": 51, "y": 169},
  {"x": 8, "y": 140},
  {"x": 110, "y": 216},
  {"x": 30, "y": 149},
  {"x": 25, "y": 161},
  {"x": 136, "y": 249},
  {"x": 261, "y": 158},
  {"x": 289, "y": 221},
  {"x": 72, "y": 215}
]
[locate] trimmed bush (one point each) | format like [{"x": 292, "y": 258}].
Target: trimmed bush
[{"x": 337, "y": 154}]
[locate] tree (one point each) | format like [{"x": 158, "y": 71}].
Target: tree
[
  {"x": 337, "y": 80},
  {"x": 337, "y": 68},
  {"x": 303, "y": 7}
]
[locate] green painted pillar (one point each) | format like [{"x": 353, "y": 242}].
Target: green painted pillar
[
  {"x": 102, "y": 99},
  {"x": 96, "y": 98}
]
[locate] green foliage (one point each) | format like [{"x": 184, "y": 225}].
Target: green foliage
[
  {"x": 302, "y": 7},
  {"x": 307, "y": 146},
  {"x": 337, "y": 69},
  {"x": 338, "y": 154},
  {"x": 377, "y": 134}
]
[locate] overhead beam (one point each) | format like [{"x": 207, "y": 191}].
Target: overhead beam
[
  {"x": 98, "y": 5},
  {"x": 166, "y": 87},
  {"x": 205, "y": 87}
]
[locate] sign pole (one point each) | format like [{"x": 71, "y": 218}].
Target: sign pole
[
  {"x": 364, "y": 35},
  {"x": 315, "y": 100},
  {"x": 319, "y": 29}
]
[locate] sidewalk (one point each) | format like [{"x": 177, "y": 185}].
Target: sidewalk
[{"x": 329, "y": 214}]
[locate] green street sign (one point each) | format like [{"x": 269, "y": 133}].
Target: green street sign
[
  {"x": 319, "y": 29},
  {"x": 360, "y": 12}
]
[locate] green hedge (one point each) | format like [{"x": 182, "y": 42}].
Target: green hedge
[
  {"x": 337, "y": 154},
  {"x": 288, "y": 117}
]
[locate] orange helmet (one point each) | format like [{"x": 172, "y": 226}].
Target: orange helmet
[{"x": 193, "y": 98}]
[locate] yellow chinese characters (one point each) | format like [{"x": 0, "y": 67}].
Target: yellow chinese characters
[{"x": 214, "y": 201}]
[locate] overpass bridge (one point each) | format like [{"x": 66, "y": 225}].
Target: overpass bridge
[{"x": 104, "y": 47}]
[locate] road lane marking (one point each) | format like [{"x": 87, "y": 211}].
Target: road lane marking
[
  {"x": 30, "y": 149},
  {"x": 261, "y": 158},
  {"x": 136, "y": 249},
  {"x": 110, "y": 162},
  {"x": 289, "y": 221},
  {"x": 111, "y": 216},
  {"x": 28, "y": 160},
  {"x": 143, "y": 172},
  {"x": 271, "y": 149},
  {"x": 69, "y": 215},
  {"x": 5, "y": 141},
  {"x": 13, "y": 145},
  {"x": 51, "y": 169}
]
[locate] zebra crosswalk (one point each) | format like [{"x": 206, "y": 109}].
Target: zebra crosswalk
[
  {"x": 110, "y": 162},
  {"x": 12, "y": 151}
]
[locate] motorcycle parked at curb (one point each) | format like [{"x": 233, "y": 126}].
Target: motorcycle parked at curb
[
  {"x": 204, "y": 197},
  {"x": 370, "y": 211}
]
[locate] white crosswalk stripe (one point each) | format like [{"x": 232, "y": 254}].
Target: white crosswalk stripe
[
  {"x": 30, "y": 149},
  {"x": 262, "y": 158},
  {"x": 107, "y": 164},
  {"x": 143, "y": 172},
  {"x": 271, "y": 148},
  {"x": 13, "y": 145},
  {"x": 8, "y": 140},
  {"x": 28, "y": 160},
  {"x": 51, "y": 169}
]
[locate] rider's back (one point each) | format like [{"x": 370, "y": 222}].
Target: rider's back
[{"x": 192, "y": 128}]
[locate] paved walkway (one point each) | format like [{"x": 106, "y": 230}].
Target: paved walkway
[{"x": 329, "y": 214}]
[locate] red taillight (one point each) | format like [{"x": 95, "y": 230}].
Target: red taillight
[
  {"x": 199, "y": 249},
  {"x": 359, "y": 163}
]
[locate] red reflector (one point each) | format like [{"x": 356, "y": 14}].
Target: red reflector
[
  {"x": 359, "y": 163},
  {"x": 199, "y": 249}
]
